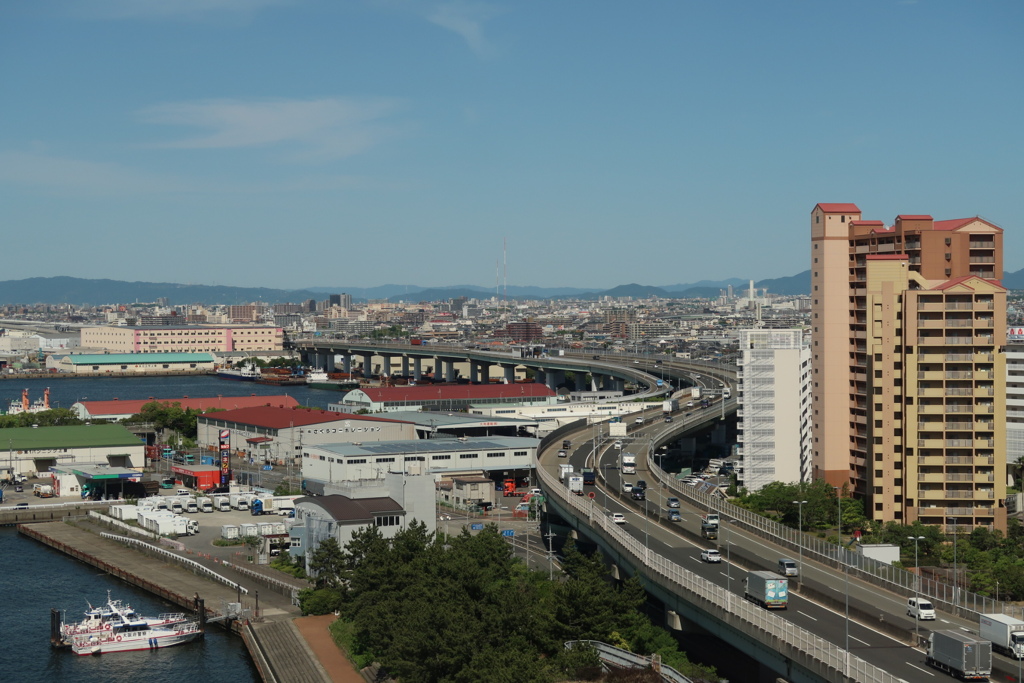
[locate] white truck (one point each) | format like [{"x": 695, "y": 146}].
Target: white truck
[
  {"x": 177, "y": 506},
  {"x": 670, "y": 406},
  {"x": 960, "y": 655},
  {"x": 284, "y": 505},
  {"x": 1006, "y": 634},
  {"x": 205, "y": 504},
  {"x": 564, "y": 469},
  {"x": 191, "y": 505},
  {"x": 627, "y": 462},
  {"x": 575, "y": 484},
  {"x": 239, "y": 501},
  {"x": 222, "y": 503},
  {"x": 694, "y": 392}
]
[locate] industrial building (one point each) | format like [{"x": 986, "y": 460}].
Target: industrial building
[
  {"x": 446, "y": 397},
  {"x": 349, "y": 462},
  {"x": 117, "y": 409},
  {"x": 389, "y": 503},
  {"x": 94, "y": 364},
  {"x": 909, "y": 369},
  {"x": 437, "y": 425},
  {"x": 32, "y": 450},
  {"x": 183, "y": 338},
  {"x": 275, "y": 433}
]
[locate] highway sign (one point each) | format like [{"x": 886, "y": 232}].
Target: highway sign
[
  {"x": 508, "y": 532},
  {"x": 476, "y": 526}
]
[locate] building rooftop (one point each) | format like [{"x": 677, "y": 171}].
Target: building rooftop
[
  {"x": 344, "y": 509},
  {"x": 957, "y": 223},
  {"x": 276, "y": 417},
  {"x": 133, "y": 406},
  {"x": 839, "y": 208},
  {"x": 76, "y": 436},
  {"x": 98, "y": 472},
  {"x": 459, "y": 392},
  {"x": 129, "y": 358},
  {"x": 439, "y": 419},
  {"x": 417, "y": 446}
]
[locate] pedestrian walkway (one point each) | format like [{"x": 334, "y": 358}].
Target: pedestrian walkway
[{"x": 332, "y": 659}]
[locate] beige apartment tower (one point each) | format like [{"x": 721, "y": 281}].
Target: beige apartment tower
[{"x": 909, "y": 369}]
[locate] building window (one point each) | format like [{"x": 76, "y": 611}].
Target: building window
[
  {"x": 496, "y": 455},
  {"x": 519, "y": 453},
  {"x": 468, "y": 456},
  {"x": 440, "y": 457}
]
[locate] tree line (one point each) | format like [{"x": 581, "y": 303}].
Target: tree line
[{"x": 461, "y": 609}]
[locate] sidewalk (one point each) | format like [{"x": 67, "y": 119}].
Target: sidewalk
[{"x": 314, "y": 630}]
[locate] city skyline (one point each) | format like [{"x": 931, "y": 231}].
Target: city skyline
[{"x": 230, "y": 142}]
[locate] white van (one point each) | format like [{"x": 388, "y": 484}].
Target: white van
[
  {"x": 788, "y": 567},
  {"x": 921, "y": 609}
]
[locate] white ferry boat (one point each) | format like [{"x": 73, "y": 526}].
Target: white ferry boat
[
  {"x": 134, "y": 635},
  {"x": 107, "y": 616}
]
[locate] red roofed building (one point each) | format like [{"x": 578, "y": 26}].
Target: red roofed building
[
  {"x": 447, "y": 397},
  {"x": 117, "y": 409},
  {"x": 272, "y": 433},
  {"x": 908, "y": 366}
]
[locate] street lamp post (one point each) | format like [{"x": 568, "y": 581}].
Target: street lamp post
[
  {"x": 846, "y": 571},
  {"x": 956, "y": 576},
  {"x": 917, "y": 592},
  {"x": 800, "y": 538}
]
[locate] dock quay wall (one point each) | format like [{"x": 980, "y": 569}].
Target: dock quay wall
[{"x": 51, "y": 513}]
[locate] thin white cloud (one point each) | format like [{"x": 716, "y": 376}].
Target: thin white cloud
[
  {"x": 311, "y": 129},
  {"x": 75, "y": 176},
  {"x": 169, "y": 9},
  {"x": 465, "y": 19}
]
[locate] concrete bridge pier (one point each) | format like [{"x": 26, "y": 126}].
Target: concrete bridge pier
[
  {"x": 510, "y": 373},
  {"x": 581, "y": 381},
  {"x": 329, "y": 362},
  {"x": 346, "y": 362},
  {"x": 485, "y": 372},
  {"x": 449, "y": 371},
  {"x": 405, "y": 366},
  {"x": 474, "y": 376},
  {"x": 367, "y": 365},
  {"x": 387, "y": 366},
  {"x": 417, "y": 368},
  {"x": 540, "y": 376},
  {"x": 555, "y": 379}
]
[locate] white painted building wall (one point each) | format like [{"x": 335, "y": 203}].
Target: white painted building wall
[{"x": 774, "y": 422}]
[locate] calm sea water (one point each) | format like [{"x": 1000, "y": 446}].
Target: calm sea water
[
  {"x": 36, "y": 578},
  {"x": 65, "y": 392}
]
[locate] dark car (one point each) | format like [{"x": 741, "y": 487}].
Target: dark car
[
  {"x": 485, "y": 505},
  {"x": 638, "y": 493},
  {"x": 641, "y": 484}
]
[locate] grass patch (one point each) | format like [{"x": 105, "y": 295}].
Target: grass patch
[
  {"x": 224, "y": 542},
  {"x": 343, "y": 633}
]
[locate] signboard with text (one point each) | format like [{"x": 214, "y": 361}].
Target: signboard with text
[{"x": 225, "y": 456}]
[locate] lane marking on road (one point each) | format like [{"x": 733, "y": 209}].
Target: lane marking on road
[
  {"x": 860, "y": 641},
  {"x": 920, "y": 669},
  {"x": 806, "y": 615}
]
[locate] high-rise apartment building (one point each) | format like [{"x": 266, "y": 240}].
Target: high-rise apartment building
[
  {"x": 1015, "y": 395},
  {"x": 775, "y": 407},
  {"x": 909, "y": 370}
]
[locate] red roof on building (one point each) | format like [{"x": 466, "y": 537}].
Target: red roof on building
[
  {"x": 887, "y": 257},
  {"x": 131, "y": 407},
  {"x": 839, "y": 208},
  {"x": 963, "y": 280},
  {"x": 911, "y": 217},
  {"x": 458, "y": 392},
  {"x": 274, "y": 417},
  {"x": 958, "y": 223}
]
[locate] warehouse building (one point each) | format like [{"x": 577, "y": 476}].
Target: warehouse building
[
  {"x": 348, "y": 462},
  {"x": 33, "y": 450},
  {"x": 93, "y": 364},
  {"x": 446, "y": 397},
  {"x": 116, "y": 409},
  {"x": 275, "y": 433},
  {"x": 183, "y": 338}
]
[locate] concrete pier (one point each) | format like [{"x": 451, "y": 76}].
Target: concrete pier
[{"x": 278, "y": 649}]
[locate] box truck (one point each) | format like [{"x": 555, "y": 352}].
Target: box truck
[
  {"x": 239, "y": 501},
  {"x": 960, "y": 655},
  {"x": 205, "y": 504},
  {"x": 769, "y": 590},
  {"x": 564, "y": 469},
  {"x": 670, "y": 406},
  {"x": 1006, "y": 634},
  {"x": 222, "y": 503},
  {"x": 575, "y": 484}
]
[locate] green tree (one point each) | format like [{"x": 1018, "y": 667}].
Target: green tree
[
  {"x": 326, "y": 564},
  {"x": 47, "y": 418}
]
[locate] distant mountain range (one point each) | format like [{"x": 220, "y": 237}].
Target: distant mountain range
[{"x": 77, "y": 291}]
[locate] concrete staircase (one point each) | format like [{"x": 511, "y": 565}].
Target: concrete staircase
[{"x": 287, "y": 655}]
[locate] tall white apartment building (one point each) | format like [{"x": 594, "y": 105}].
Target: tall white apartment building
[
  {"x": 774, "y": 411},
  {"x": 1015, "y": 396}
]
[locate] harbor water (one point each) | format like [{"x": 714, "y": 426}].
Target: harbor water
[
  {"x": 37, "y": 578},
  {"x": 66, "y": 392}
]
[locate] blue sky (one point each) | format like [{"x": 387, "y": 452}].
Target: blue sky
[{"x": 294, "y": 143}]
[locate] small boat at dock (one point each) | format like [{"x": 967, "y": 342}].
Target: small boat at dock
[{"x": 116, "y": 627}]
